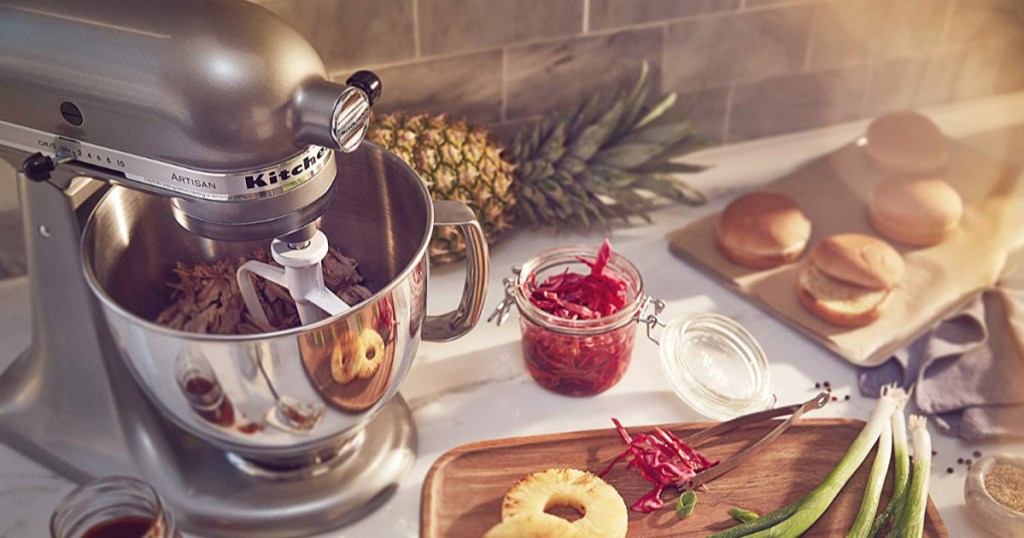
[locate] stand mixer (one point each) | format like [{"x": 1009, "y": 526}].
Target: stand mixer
[{"x": 147, "y": 133}]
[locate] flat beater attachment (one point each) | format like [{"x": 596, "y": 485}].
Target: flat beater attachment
[{"x": 302, "y": 275}]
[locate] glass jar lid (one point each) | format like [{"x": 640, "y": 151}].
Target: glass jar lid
[{"x": 716, "y": 366}]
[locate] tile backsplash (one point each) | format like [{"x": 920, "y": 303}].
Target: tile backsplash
[{"x": 757, "y": 67}]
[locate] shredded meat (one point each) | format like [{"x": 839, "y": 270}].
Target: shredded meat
[{"x": 205, "y": 297}]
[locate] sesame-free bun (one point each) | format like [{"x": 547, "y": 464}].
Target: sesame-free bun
[
  {"x": 849, "y": 279},
  {"x": 763, "y": 230},
  {"x": 906, "y": 143},
  {"x": 919, "y": 212},
  {"x": 858, "y": 259},
  {"x": 837, "y": 302}
]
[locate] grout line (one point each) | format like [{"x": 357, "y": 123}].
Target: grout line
[
  {"x": 539, "y": 41},
  {"x": 845, "y": 67},
  {"x": 586, "y": 16},
  {"x": 663, "y": 60},
  {"x": 568, "y": 37},
  {"x": 503, "y": 112},
  {"x": 416, "y": 28},
  {"x": 767, "y": 7},
  {"x": 728, "y": 113},
  {"x": 947, "y": 24},
  {"x": 424, "y": 59}
]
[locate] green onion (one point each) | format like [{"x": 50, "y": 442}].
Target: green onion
[
  {"x": 902, "y": 455},
  {"x": 910, "y": 520},
  {"x": 684, "y": 506},
  {"x": 763, "y": 522},
  {"x": 742, "y": 515},
  {"x": 873, "y": 492},
  {"x": 810, "y": 508}
]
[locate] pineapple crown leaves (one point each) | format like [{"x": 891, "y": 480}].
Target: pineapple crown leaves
[{"x": 587, "y": 165}]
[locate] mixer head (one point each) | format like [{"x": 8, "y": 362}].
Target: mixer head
[{"x": 220, "y": 106}]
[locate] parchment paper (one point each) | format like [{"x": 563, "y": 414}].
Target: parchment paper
[{"x": 834, "y": 190}]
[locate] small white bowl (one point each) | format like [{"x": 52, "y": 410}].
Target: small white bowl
[{"x": 995, "y": 517}]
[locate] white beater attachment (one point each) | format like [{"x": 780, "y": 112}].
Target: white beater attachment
[{"x": 302, "y": 276}]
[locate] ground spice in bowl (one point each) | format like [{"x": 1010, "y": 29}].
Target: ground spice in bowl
[{"x": 1005, "y": 483}]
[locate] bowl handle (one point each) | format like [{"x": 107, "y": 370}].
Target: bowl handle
[{"x": 452, "y": 325}]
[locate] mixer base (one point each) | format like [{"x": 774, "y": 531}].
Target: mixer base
[{"x": 211, "y": 496}]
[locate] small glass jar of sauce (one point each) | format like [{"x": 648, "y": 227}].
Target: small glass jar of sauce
[{"x": 113, "y": 507}]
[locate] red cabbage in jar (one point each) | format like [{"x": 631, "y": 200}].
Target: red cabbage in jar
[{"x": 578, "y": 328}]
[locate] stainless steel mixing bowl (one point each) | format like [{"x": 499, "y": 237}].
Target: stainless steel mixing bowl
[{"x": 272, "y": 398}]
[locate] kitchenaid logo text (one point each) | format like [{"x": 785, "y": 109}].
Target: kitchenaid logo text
[{"x": 281, "y": 175}]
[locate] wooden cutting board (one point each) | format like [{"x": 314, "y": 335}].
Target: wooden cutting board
[{"x": 463, "y": 490}]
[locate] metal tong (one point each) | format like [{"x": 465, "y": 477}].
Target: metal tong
[{"x": 795, "y": 412}]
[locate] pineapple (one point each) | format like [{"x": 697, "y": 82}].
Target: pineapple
[
  {"x": 457, "y": 161},
  {"x": 534, "y": 526},
  {"x": 579, "y": 168},
  {"x": 604, "y": 511}
]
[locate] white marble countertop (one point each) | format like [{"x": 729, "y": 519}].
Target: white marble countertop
[{"x": 477, "y": 388}]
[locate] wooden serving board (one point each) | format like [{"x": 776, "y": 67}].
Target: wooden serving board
[{"x": 463, "y": 491}]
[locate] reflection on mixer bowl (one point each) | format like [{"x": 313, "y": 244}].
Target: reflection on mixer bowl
[{"x": 274, "y": 397}]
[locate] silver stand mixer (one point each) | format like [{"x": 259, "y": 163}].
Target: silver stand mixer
[{"x": 148, "y": 133}]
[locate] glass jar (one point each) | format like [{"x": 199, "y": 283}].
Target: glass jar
[
  {"x": 716, "y": 366},
  {"x": 577, "y": 357},
  {"x": 113, "y": 506},
  {"x": 710, "y": 361}
]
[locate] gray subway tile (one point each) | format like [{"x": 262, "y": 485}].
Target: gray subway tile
[
  {"x": 1010, "y": 74},
  {"x": 950, "y": 75},
  {"x": 708, "y": 113},
  {"x": 795, "y": 103},
  {"x": 700, "y": 53},
  {"x": 905, "y": 26},
  {"x": 714, "y": 51},
  {"x": 506, "y": 131},
  {"x": 842, "y": 34},
  {"x": 973, "y": 69},
  {"x": 467, "y": 85},
  {"x": 549, "y": 75},
  {"x": 899, "y": 83},
  {"x": 352, "y": 33},
  {"x": 984, "y": 20},
  {"x": 851, "y": 31},
  {"x": 617, "y": 13},
  {"x": 459, "y": 25}
]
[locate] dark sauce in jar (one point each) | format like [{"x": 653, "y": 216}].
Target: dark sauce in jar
[{"x": 122, "y": 527}]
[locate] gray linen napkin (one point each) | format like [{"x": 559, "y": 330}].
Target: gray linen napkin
[{"x": 967, "y": 371}]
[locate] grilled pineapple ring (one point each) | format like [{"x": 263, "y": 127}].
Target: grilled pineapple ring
[
  {"x": 345, "y": 356},
  {"x": 604, "y": 512},
  {"x": 370, "y": 354},
  {"x": 534, "y": 526}
]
